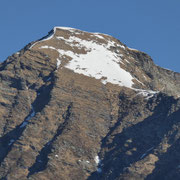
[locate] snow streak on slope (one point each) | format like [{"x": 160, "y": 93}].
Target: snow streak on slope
[{"x": 32, "y": 114}]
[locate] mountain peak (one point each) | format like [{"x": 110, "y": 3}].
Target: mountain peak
[
  {"x": 100, "y": 56},
  {"x": 81, "y": 105}
]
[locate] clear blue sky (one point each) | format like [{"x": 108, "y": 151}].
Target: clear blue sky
[{"x": 152, "y": 26}]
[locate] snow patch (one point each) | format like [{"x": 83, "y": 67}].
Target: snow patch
[
  {"x": 139, "y": 81},
  {"x": 58, "y": 63},
  {"x": 65, "y": 28},
  {"x": 123, "y": 47},
  {"x": 98, "y": 36},
  {"x": 146, "y": 152},
  {"x": 24, "y": 124},
  {"x": 47, "y": 80},
  {"x": 143, "y": 156},
  {"x": 146, "y": 93},
  {"x": 99, "y": 170},
  {"x": 48, "y": 47},
  {"x": 127, "y": 61},
  {"x": 99, "y": 62},
  {"x": 132, "y": 49},
  {"x": 31, "y": 115},
  {"x": 144, "y": 77},
  {"x": 11, "y": 141},
  {"x": 98, "y": 163},
  {"x": 97, "y": 160}
]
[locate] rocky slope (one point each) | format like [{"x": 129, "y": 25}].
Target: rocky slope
[{"x": 79, "y": 105}]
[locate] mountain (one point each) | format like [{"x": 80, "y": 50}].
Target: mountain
[{"x": 79, "y": 105}]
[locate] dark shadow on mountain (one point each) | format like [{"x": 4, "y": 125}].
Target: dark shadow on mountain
[
  {"x": 168, "y": 165},
  {"x": 3, "y": 178},
  {"x": 7, "y": 140},
  {"x": 42, "y": 158},
  {"x": 43, "y": 97},
  {"x": 136, "y": 141}
]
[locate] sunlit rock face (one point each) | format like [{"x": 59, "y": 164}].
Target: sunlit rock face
[{"x": 80, "y": 105}]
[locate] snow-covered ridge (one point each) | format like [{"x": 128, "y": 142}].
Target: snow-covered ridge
[
  {"x": 75, "y": 29},
  {"x": 53, "y": 32}
]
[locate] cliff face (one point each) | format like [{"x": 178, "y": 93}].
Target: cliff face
[{"x": 79, "y": 105}]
